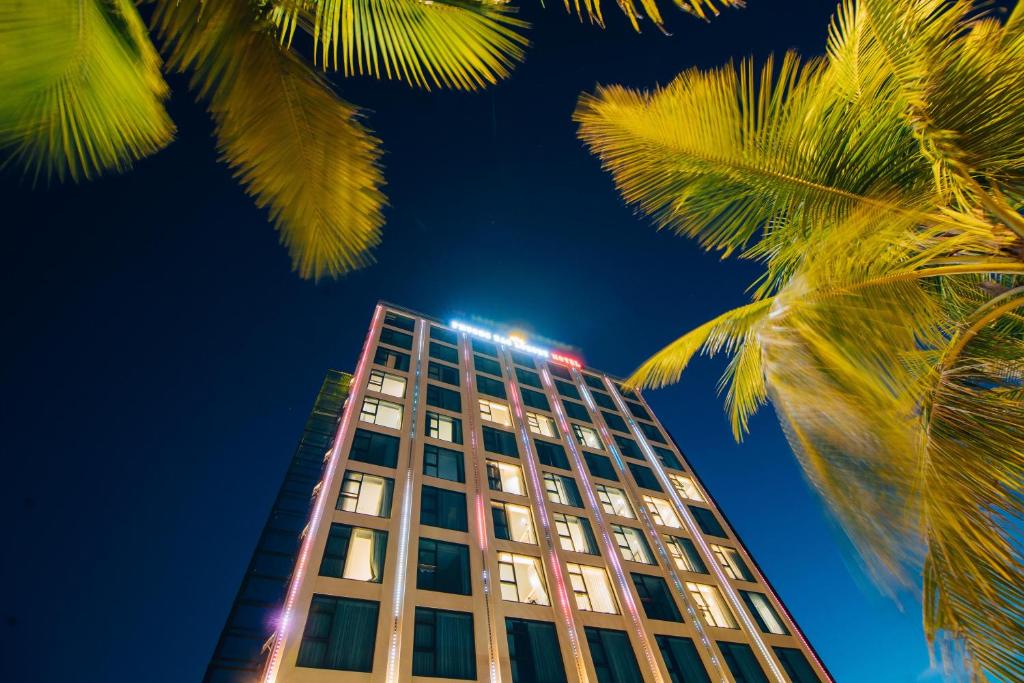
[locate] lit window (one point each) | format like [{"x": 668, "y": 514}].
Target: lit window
[
  {"x": 662, "y": 512},
  {"x": 354, "y": 553},
  {"x": 521, "y": 579},
  {"x": 513, "y": 522},
  {"x": 444, "y": 428},
  {"x": 711, "y": 605},
  {"x": 386, "y": 383},
  {"x": 366, "y": 494},
  {"x": 504, "y": 477},
  {"x": 685, "y": 487},
  {"x": 592, "y": 588},
  {"x": 383, "y": 413},
  {"x": 764, "y": 614},
  {"x": 614, "y": 501},
  {"x": 587, "y": 437},
  {"x": 575, "y": 534},
  {"x": 541, "y": 424},
  {"x": 732, "y": 563},
  {"x": 495, "y": 412},
  {"x": 632, "y": 544},
  {"x": 685, "y": 555},
  {"x": 562, "y": 490}
]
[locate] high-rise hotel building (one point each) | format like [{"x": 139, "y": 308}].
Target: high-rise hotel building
[{"x": 486, "y": 509}]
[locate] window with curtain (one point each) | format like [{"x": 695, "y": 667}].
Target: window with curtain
[
  {"x": 533, "y": 651},
  {"x": 685, "y": 556},
  {"x": 662, "y": 512},
  {"x": 395, "y": 338},
  {"x": 528, "y": 378},
  {"x": 656, "y": 598},
  {"x": 502, "y": 476},
  {"x": 386, "y": 383},
  {"x": 742, "y": 663},
  {"x": 632, "y": 544},
  {"x": 443, "y": 508},
  {"x": 445, "y": 353},
  {"x": 400, "y": 321},
  {"x": 534, "y": 399},
  {"x": 443, "y": 567},
  {"x": 374, "y": 448},
  {"x": 443, "y": 644},
  {"x": 551, "y": 454},
  {"x": 614, "y": 501},
  {"x": 366, "y": 494},
  {"x": 567, "y": 390},
  {"x": 575, "y": 534},
  {"x": 615, "y": 421},
  {"x": 604, "y": 400},
  {"x": 685, "y": 487},
  {"x": 340, "y": 634},
  {"x": 764, "y": 613},
  {"x": 682, "y": 660},
  {"x": 443, "y": 373},
  {"x": 592, "y": 589},
  {"x": 600, "y": 466},
  {"x": 390, "y": 358},
  {"x": 562, "y": 490},
  {"x": 490, "y": 387},
  {"x": 796, "y": 665},
  {"x": 488, "y": 365},
  {"x": 443, "y": 427},
  {"x": 651, "y": 432},
  {"x": 612, "y": 655},
  {"x": 377, "y": 411},
  {"x": 513, "y": 522},
  {"x": 446, "y": 399},
  {"x": 668, "y": 458},
  {"x": 732, "y": 563},
  {"x": 587, "y": 437},
  {"x": 644, "y": 477},
  {"x": 441, "y": 334},
  {"x": 628, "y": 447},
  {"x": 522, "y": 579},
  {"x": 711, "y": 605},
  {"x": 638, "y": 410},
  {"x": 707, "y": 522},
  {"x": 541, "y": 424},
  {"x": 355, "y": 553},
  {"x": 576, "y": 411},
  {"x": 443, "y": 463},
  {"x": 492, "y": 411}
]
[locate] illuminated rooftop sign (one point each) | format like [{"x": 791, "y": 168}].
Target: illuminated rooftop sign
[{"x": 516, "y": 342}]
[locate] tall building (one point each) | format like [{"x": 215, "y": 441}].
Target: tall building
[{"x": 492, "y": 510}]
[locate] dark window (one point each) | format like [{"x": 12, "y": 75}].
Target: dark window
[
  {"x": 439, "y": 397},
  {"x": 443, "y": 427},
  {"x": 441, "y": 334},
  {"x": 395, "y": 338},
  {"x": 391, "y": 359},
  {"x": 742, "y": 663},
  {"x": 340, "y": 634},
  {"x": 758, "y": 604},
  {"x": 651, "y": 432},
  {"x": 796, "y": 665},
  {"x": 576, "y": 411},
  {"x": 604, "y": 400},
  {"x": 667, "y": 458},
  {"x": 400, "y": 321},
  {"x": 481, "y": 346},
  {"x": 551, "y": 454},
  {"x": 534, "y": 399},
  {"x": 707, "y": 522},
  {"x": 442, "y": 352},
  {"x": 371, "y": 447},
  {"x": 600, "y": 466},
  {"x": 443, "y": 373},
  {"x": 484, "y": 364},
  {"x": 490, "y": 387},
  {"x": 533, "y": 651},
  {"x": 693, "y": 558},
  {"x": 638, "y": 410},
  {"x": 523, "y": 359},
  {"x": 559, "y": 371},
  {"x": 443, "y": 644},
  {"x": 628, "y": 447},
  {"x": 443, "y": 508},
  {"x": 612, "y": 655},
  {"x": 625, "y": 392},
  {"x": 681, "y": 660},
  {"x": 336, "y": 551},
  {"x": 443, "y": 463},
  {"x": 615, "y": 421},
  {"x": 443, "y": 567},
  {"x": 566, "y": 389},
  {"x": 497, "y": 441},
  {"x": 656, "y": 598},
  {"x": 593, "y": 382},
  {"x": 644, "y": 477},
  {"x": 530, "y": 378}
]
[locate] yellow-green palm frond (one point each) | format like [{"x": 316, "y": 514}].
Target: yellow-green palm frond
[
  {"x": 82, "y": 89},
  {"x": 297, "y": 148}
]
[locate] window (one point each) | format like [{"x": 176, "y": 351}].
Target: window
[
  {"x": 443, "y": 373},
  {"x": 644, "y": 477},
  {"x": 593, "y": 382},
  {"x": 625, "y": 392},
  {"x": 380, "y": 412},
  {"x": 490, "y": 387},
  {"x": 541, "y": 424},
  {"x": 523, "y": 359},
  {"x": 441, "y": 334},
  {"x": 612, "y": 655},
  {"x": 668, "y": 458},
  {"x": 684, "y": 554},
  {"x": 484, "y": 364},
  {"x": 529, "y": 378},
  {"x": 562, "y": 490},
  {"x": 340, "y": 634},
  {"x": 600, "y": 466},
  {"x": 480, "y": 346},
  {"x": 551, "y": 454},
  {"x": 533, "y": 651},
  {"x": 374, "y": 448},
  {"x": 592, "y": 588},
  {"x": 615, "y": 421},
  {"x": 521, "y": 579},
  {"x": 682, "y": 660},
  {"x": 796, "y": 665},
  {"x": 614, "y": 501},
  {"x": 638, "y": 410},
  {"x": 566, "y": 389},
  {"x": 400, "y": 321},
  {"x": 386, "y": 383},
  {"x": 355, "y": 553},
  {"x": 628, "y": 447},
  {"x": 656, "y": 598},
  {"x": 504, "y": 477},
  {"x": 651, "y": 432},
  {"x": 445, "y": 353},
  {"x": 587, "y": 437},
  {"x": 604, "y": 400},
  {"x": 731, "y": 561},
  {"x": 366, "y": 494},
  {"x": 575, "y": 534},
  {"x": 534, "y": 399},
  {"x": 513, "y": 522},
  {"x": 632, "y": 544},
  {"x": 446, "y": 399},
  {"x": 707, "y": 522},
  {"x": 391, "y": 359},
  {"x": 711, "y": 605},
  {"x": 443, "y": 508},
  {"x": 559, "y": 371},
  {"x": 443, "y": 427},
  {"x": 443, "y": 463},
  {"x": 576, "y": 411},
  {"x": 764, "y": 614},
  {"x": 443, "y": 644},
  {"x": 742, "y": 663},
  {"x": 661, "y": 511},
  {"x": 395, "y": 338},
  {"x": 443, "y": 567},
  {"x": 497, "y": 441},
  {"x": 495, "y": 412},
  {"x": 685, "y": 487}
]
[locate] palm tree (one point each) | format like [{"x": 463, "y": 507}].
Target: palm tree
[
  {"x": 83, "y": 93},
  {"x": 881, "y": 187}
]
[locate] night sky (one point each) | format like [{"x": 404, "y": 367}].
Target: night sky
[{"x": 161, "y": 357}]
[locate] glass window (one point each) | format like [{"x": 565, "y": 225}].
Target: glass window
[
  {"x": 366, "y": 494},
  {"x": 395, "y": 338},
  {"x": 534, "y": 399},
  {"x": 386, "y": 383},
  {"x": 551, "y": 454},
  {"x": 593, "y": 382},
  {"x": 742, "y": 663},
  {"x": 628, "y": 447},
  {"x": 484, "y": 364},
  {"x": 638, "y": 410},
  {"x": 522, "y": 579},
  {"x": 443, "y": 508},
  {"x": 355, "y": 553},
  {"x": 684, "y": 554},
  {"x": 668, "y": 458},
  {"x": 707, "y": 522},
  {"x": 495, "y": 412},
  {"x": 445, "y": 353},
  {"x": 644, "y": 477},
  {"x": 632, "y": 544},
  {"x": 562, "y": 490},
  {"x": 481, "y": 346},
  {"x": 441, "y": 334},
  {"x": 391, "y": 359},
  {"x": 533, "y": 651},
  {"x": 651, "y": 432},
  {"x": 614, "y": 421},
  {"x": 685, "y": 487},
  {"x": 604, "y": 400},
  {"x": 523, "y": 359},
  {"x": 662, "y": 512},
  {"x": 587, "y": 437},
  {"x": 443, "y": 463},
  {"x": 682, "y": 660},
  {"x": 656, "y": 598},
  {"x": 443, "y": 567},
  {"x": 732, "y": 562},
  {"x": 711, "y": 605},
  {"x": 443, "y": 427},
  {"x": 613, "y": 656},
  {"x": 497, "y": 441},
  {"x": 529, "y": 378},
  {"x": 796, "y": 665},
  {"x": 625, "y": 392},
  {"x": 400, "y": 321},
  {"x": 600, "y": 466},
  {"x": 446, "y": 399},
  {"x": 541, "y": 424},
  {"x": 502, "y": 476},
  {"x": 374, "y": 448},
  {"x": 614, "y": 501},
  {"x": 490, "y": 387},
  {"x": 575, "y": 534},
  {"x": 380, "y": 412},
  {"x": 443, "y": 373},
  {"x": 513, "y": 522},
  {"x": 340, "y": 634},
  {"x": 592, "y": 588},
  {"x": 764, "y": 614},
  {"x": 443, "y": 644},
  {"x": 566, "y": 389},
  {"x": 576, "y": 411},
  {"x": 559, "y": 371}
]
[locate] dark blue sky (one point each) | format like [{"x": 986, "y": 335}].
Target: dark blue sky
[{"x": 161, "y": 358}]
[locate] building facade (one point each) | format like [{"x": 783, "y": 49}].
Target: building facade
[{"x": 491, "y": 510}]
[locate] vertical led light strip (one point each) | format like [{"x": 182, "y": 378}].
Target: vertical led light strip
[
  {"x": 696, "y": 533},
  {"x": 611, "y": 548},
  {"x": 324, "y": 487}
]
